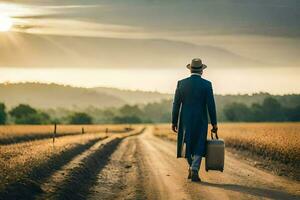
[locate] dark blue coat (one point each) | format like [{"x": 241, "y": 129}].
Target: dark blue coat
[{"x": 193, "y": 97}]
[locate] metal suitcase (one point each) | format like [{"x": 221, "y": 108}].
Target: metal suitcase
[{"x": 215, "y": 154}]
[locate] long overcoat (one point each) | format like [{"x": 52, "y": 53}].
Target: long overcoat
[{"x": 193, "y": 98}]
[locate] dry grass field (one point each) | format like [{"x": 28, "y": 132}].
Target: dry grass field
[
  {"x": 22, "y": 159},
  {"x": 26, "y": 161},
  {"x": 277, "y": 141},
  {"x": 19, "y": 133},
  {"x": 274, "y": 141},
  {"x": 100, "y": 165}
]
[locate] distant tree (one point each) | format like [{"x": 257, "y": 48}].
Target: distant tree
[
  {"x": 293, "y": 114},
  {"x": 22, "y": 110},
  {"x": 80, "y": 118},
  {"x": 3, "y": 115},
  {"x": 272, "y": 110},
  {"x": 25, "y": 114},
  {"x": 129, "y": 115},
  {"x": 158, "y": 111},
  {"x": 128, "y": 110},
  {"x": 269, "y": 110},
  {"x": 238, "y": 112},
  {"x": 127, "y": 120},
  {"x": 56, "y": 121},
  {"x": 104, "y": 116},
  {"x": 45, "y": 118},
  {"x": 29, "y": 119},
  {"x": 257, "y": 113}
]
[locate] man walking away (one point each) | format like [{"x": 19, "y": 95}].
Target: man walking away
[{"x": 193, "y": 97}]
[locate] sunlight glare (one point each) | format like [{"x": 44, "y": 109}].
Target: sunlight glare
[{"x": 5, "y": 23}]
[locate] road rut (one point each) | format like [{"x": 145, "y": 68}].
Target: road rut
[{"x": 146, "y": 167}]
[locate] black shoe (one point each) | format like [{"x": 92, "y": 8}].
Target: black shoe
[
  {"x": 190, "y": 174},
  {"x": 195, "y": 176}
]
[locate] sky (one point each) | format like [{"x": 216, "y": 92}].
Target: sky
[{"x": 248, "y": 46}]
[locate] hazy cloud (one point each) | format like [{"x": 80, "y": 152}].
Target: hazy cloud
[
  {"x": 262, "y": 33},
  {"x": 268, "y": 17},
  {"x": 251, "y": 45}
]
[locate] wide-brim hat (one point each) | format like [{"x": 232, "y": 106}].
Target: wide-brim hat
[{"x": 196, "y": 65}]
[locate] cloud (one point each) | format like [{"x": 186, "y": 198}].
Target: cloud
[
  {"x": 218, "y": 17},
  {"x": 69, "y": 27},
  {"x": 253, "y": 33},
  {"x": 65, "y": 51}
]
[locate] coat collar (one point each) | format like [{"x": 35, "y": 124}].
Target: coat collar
[{"x": 195, "y": 74}]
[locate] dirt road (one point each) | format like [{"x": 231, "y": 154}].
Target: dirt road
[{"x": 145, "y": 167}]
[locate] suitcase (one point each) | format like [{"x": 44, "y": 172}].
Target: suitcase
[{"x": 215, "y": 154}]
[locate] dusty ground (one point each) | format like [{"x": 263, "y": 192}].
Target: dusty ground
[{"x": 145, "y": 167}]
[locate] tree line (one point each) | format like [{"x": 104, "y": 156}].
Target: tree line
[
  {"x": 25, "y": 114},
  {"x": 270, "y": 109},
  {"x": 127, "y": 114}
]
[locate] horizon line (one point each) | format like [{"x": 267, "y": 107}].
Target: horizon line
[{"x": 133, "y": 90}]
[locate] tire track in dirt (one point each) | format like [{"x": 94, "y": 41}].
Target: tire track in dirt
[
  {"x": 239, "y": 180},
  {"x": 156, "y": 173},
  {"x": 33, "y": 137},
  {"x": 126, "y": 175},
  {"x": 142, "y": 180},
  {"x": 74, "y": 180},
  {"x": 29, "y": 186},
  {"x": 76, "y": 184},
  {"x": 118, "y": 179},
  {"x": 168, "y": 175}
]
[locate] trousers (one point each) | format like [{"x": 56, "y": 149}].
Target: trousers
[{"x": 195, "y": 162}]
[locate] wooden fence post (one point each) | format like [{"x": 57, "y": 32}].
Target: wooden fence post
[
  {"x": 54, "y": 133},
  {"x": 82, "y": 130}
]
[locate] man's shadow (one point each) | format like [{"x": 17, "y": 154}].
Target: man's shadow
[{"x": 259, "y": 192}]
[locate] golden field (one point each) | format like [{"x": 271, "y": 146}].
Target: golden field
[
  {"x": 275, "y": 141},
  {"x": 29, "y": 162},
  {"x": 19, "y": 160},
  {"x": 18, "y": 133},
  {"x": 37, "y": 157},
  {"x": 14, "y": 130}
]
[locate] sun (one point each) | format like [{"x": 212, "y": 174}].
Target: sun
[{"x": 5, "y": 23}]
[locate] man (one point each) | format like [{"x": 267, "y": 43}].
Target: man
[{"x": 193, "y": 97}]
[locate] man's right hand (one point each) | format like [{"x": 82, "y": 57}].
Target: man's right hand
[
  {"x": 215, "y": 128},
  {"x": 174, "y": 127}
]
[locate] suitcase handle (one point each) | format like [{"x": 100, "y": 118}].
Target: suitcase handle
[{"x": 212, "y": 135}]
